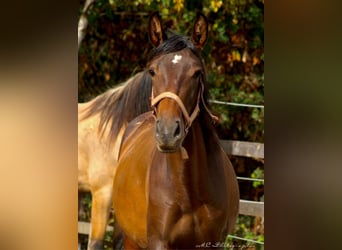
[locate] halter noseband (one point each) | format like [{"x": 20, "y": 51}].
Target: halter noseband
[{"x": 188, "y": 118}]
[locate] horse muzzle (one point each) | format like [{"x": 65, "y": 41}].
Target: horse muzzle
[{"x": 169, "y": 134}]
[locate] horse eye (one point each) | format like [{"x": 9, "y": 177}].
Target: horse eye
[
  {"x": 151, "y": 71},
  {"x": 197, "y": 73}
]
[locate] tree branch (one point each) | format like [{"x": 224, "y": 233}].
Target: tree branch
[{"x": 83, "y": 22}]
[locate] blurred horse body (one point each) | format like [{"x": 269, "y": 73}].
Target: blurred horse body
[{"x": 101, "y": 123}]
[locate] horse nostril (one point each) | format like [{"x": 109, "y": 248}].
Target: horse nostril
[
  {"x": 157, "y": 127},
  {"x": 177, "y": 131}
]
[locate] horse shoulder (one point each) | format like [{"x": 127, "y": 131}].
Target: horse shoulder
[
  {"x": 227, "y": 187},
  {"x": 233, "y": 194}
]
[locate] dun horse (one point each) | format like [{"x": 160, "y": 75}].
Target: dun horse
[
  {"x": 174, "y": 187},
  {"x": 101, "y": 123}
]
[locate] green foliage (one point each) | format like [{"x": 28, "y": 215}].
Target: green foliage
[
  {"x": 249, "y": 227},
  {"x": 258, "y": 173}
]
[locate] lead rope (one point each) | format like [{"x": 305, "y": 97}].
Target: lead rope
[{"x": 214, "y": 118}]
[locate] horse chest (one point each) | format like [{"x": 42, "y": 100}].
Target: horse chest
[
  {"x": 188, "y": 229},
  {"x": 182, "y": 210},
  {"x": 195, "y": 224}
]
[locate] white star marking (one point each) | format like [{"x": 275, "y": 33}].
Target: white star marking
[{"x": 176, "y": 59}]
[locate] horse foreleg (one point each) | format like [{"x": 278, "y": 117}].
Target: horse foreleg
[
  {"x": 129, "y": 244},
  {"x": 81, "y": 209},
  {"x": 118, "y": 243},
  {"x": 101, "y": 202}
]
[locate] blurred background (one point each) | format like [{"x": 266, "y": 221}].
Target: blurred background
[{"x": 115, "y": 47}]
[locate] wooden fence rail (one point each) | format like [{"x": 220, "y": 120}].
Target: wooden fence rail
[
  {"x": 243, "y": 148},
  {"x": 252, "y": 208},
  {"x": 246, "y": 149}
]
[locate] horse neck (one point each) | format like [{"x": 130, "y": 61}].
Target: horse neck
[{"x": 189, "y": 176}]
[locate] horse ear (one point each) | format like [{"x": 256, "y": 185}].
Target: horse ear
[
  {"x": 156, "y": 33},
  {"x": 200, "y": 31}
]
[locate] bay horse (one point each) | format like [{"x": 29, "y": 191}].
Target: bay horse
[
  {"x": 101, "y": 123},
  {"x": 174, "y": 186}
]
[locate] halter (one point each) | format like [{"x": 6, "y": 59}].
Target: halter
[{"x": 188, "y": 118}]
